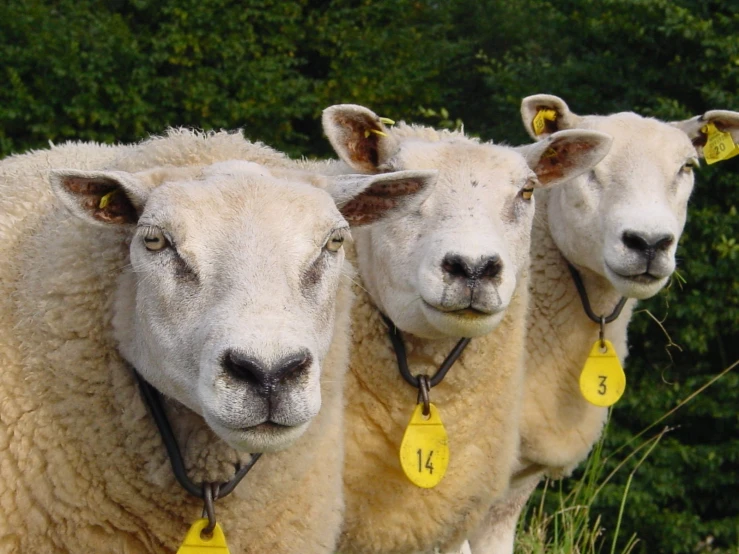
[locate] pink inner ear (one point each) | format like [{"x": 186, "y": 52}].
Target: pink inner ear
[
  {"x": 362, "y": 150},
  {"x": 391, "y": 189},
  {"x": 377, "y": 200},
  {"x": 367, "y": 209},
  {"x": 89, "y": 192},
  {"x": 565, "y": 155}
]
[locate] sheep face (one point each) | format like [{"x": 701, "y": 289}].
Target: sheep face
[
  {"x": 623, "y": 220},
  {"x": 228, "y": 303},
  {"x": 450, "y": 266}
]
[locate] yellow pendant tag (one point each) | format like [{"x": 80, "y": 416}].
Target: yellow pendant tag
[
  {"x": 424, "y": 452},
  {"x": 602, "y": 381},
  {"x": 540, "y": 120},
  {"x": 719, "y": 145},
  {"x": 194, "y": 543}
]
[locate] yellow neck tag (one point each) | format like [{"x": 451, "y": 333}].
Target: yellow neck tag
[
  {"x": 719, "y": 145},
  {"x": 195, "y": 544},
  {"x": 424, "y": 452},
  {"x": 602, "y": 381},
  {"x": 542, "y": 116}
]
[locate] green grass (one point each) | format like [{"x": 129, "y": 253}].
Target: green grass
[{"x": 561, "y": 519}]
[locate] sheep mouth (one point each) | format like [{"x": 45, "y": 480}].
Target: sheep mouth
[
  {"x": 467, "y": 313},
  {"x": 268, "y": 426},
  {"x": 644, "y": 278}
]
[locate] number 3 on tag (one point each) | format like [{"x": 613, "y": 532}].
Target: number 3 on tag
[
  {"x": 424, "y": 452},
  {"x": 602, "y": 381}
]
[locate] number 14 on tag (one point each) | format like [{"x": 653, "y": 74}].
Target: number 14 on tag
[
  {"x": 428, "y": 466},
  {"x": 424, "y": 451}
]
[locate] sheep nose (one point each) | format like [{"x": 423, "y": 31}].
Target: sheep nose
[
  {"x": 458, "y": 266},
  {"x": 647, "y": 243},
  {"x": 263, "y": 376}
]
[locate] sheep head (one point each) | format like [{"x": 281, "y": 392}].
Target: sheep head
[
  {"x": 228, "y": 303},
  {"x": 623, "y": 220},
  {"x": 449, "y": 266}
]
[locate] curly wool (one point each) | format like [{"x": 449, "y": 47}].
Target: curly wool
[
  {"x": 559, "y": 429},
  {"x": 82, "y": 466},
  {"x": 478, "y": 402}
]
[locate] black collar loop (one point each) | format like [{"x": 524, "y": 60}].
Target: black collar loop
[
  {"x": 600, "y": 319},
  {"x": 396, "y": 338},
  {"x": 153, "y": 399}
]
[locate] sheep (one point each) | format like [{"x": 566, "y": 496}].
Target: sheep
[
  {"x": 224, "y": 287},
  {"x": 618, "y": 226},
  {"x": 453, "y": 266}
]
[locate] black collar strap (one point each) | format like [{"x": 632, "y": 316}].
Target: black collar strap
[
  {"x": 603, "y": 319},
  {"x": 153, "y": 399},
  {"x": 396, "y": 338}
]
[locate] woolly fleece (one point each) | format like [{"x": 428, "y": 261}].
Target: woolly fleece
[
  {"x": 82, "y": 466},
  {"x": 478, "y": 401}
]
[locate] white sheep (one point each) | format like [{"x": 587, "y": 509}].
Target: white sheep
[
  {"x": 618, "y": 226},
  {"x": 223, "y": 287},
  {"x": 453, "y": 266}
]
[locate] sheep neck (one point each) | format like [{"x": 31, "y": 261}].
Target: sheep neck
[
  {"x": 152, "y": 398},
  {"x": 396, "y": 338}
]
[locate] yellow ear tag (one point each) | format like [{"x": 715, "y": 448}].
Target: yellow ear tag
[
  {"x": 542, "y": 116},
  {"x": 195, "y": 544},
  {"x": 105, "y": 200},
  {"x": 719, "y": 145},
  {"x": 602, "y": 381},
  {"x": 424, "y": 452}
]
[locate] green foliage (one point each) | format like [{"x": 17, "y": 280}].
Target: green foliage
[{"x": 118, "y": 70}]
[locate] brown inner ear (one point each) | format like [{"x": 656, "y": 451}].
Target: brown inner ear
[
  {"x": 377, "y": 200},
  {"x": 558, "y": 158},
  {"x": 119, "y": 208},
  {"x": 362, "y": 149}
]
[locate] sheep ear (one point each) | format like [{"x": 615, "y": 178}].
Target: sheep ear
[
  {"x": 566, "y": 155},
  {"x": 100, "y": 197},
  {"x": 358, "y": 136},
  {"x": 698, "y": 128},
  {"x": 364, "y": 199},
  {"x": 544, "y": 114}
]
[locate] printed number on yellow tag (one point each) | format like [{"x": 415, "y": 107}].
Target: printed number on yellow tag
[
  {"x": 424, "y": 452},
  {"x": 719, "y": 145},
  {"x": 539, "y": 124},
  {"x": 195, "y": 543},
  {"x": 602, "y": 381}
]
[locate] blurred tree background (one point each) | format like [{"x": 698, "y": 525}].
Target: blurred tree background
[{"x": 118, "y": 70}]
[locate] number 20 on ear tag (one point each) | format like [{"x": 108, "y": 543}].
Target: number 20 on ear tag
[
  {"x": 424, "y": 452},
  {"x": 602, "y": 381},
  {"x": 194, "y": 542}
]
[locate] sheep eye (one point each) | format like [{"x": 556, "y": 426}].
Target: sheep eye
[
  {"x": 689, "y": 166},
  {"x": 527, "y": 193},
  {"x": 154, "y": 239},
  {"x": 335, "y": 241}
]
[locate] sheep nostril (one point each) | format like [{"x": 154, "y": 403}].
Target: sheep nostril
[
  {"x": 246, "y": 368},
  {"x": 647, "y": 243},
  {"x": 491, "y": 267},
  {"x": 292, "y": 367},
  {"x": 456, "y": 265},
  {"x": 634, "y": 241},
  {"x": 665, "y": 242}
]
